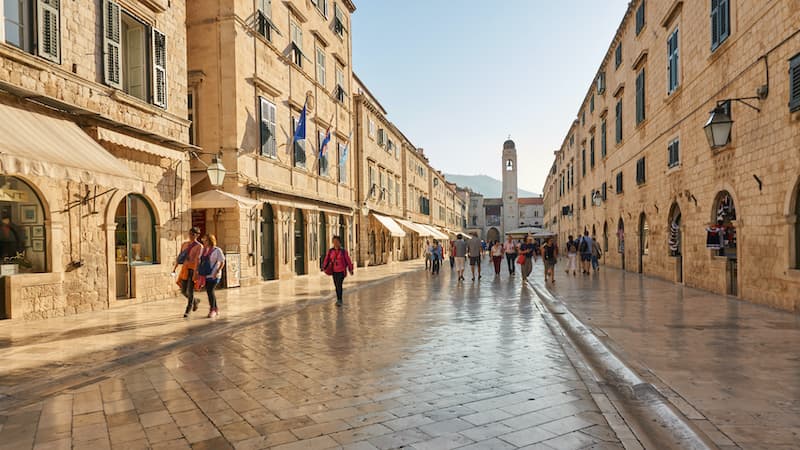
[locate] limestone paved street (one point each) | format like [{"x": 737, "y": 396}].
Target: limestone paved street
[
  {"x": 416, "y": 361},
  {"x": 730, "y": 366}
]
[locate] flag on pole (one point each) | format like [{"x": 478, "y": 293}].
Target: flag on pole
[
  {"x": 300, "y": 129},
  {"x": 343, "y": 156},
  {"x": 323, "y": 146}
]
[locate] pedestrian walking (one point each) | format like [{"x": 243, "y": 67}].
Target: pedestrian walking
[
  {"x": 497, "y": 256},
  {"x": 597, "y": 253},
  {"x": 536, "y": 250},
  {"x": 427, "y": 253},
  {"x": 550, "y": 257},
  {"x": 572, "y": 256},
  {"x": 212, "y": 261},
  {"x": 475, "y": 254},
  {"x": 585, "y": 247},
  {"x": 452, "y": 255},
  {"x": 460, "y": 253},
  {"x": 337, "y": 264},
  {"x": 510, "y": 249},
  {"x": 188, "y": 258},
  {"x": 436, "y": 257},
  {"x": 526, "y": 251}
]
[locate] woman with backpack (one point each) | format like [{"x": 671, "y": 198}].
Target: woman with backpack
[
  {"x": 188, "y": 259},
  {"x": 572, "y": 256},
  {"x": 212, "y": 260},
  {"x": 336, "y": 264}
]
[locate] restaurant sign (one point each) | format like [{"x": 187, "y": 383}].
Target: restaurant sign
[{"x": 11, "y": 195}]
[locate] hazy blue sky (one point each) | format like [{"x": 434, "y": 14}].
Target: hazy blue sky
[{"x": 458, "y": 77}]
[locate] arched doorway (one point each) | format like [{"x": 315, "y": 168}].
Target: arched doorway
[
  {"x": 644, "y": 240},
  {"x": 323, "y": 237},
  {"x": 676, "y": 240},
  {"x": 267, "y": 242},
  {"x": 492, "y": 235},
  {"x": 621, "y": 240},
  {"x": 722, "y": 237},
  {"x": 383, "y": 247},
  {"x": 605, "y": 237},
  {"x": 134, "y": 241},
  {"x": 371, "y": 248},
  {"x": 299, "y": 242}
]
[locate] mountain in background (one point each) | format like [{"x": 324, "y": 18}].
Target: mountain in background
[{"x": 484, "y": 184}]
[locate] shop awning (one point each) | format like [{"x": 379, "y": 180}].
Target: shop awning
[
  {"x": 37, "y": 145},
  {"x": 391, "y": 225},
  {"x": 435, "y": 232},
  {"x": 415, "y": 228},
  {"x": 104, "y": 134},
  {"x": 220, "y": 200}
]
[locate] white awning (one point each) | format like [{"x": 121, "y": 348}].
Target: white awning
[
  {"x": 416, "y": 228},
  {"x": 104, "y": 134},
  {"x": 220, "y": 200},
  {"x": 436, "y": 233},
  {"x": 38, "y": 145},
  {"x": 391, "y": 225}
]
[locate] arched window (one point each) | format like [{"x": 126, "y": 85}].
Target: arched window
[
  {"x": 135, "y": 235},
  {"x": 721, "y": 234},
  {"x": 509, "y": 165},
  {"x": 23, "y": 240}
]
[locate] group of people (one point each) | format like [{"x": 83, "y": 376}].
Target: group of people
[
  {"x": 201, "y": 264},
  {"x": 585, "y": 248}
]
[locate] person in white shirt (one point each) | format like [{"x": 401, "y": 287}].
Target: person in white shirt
[{"x": 510, "y": 249}]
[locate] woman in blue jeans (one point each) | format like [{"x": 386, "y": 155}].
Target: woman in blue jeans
[{"x": 215, "y": 260}]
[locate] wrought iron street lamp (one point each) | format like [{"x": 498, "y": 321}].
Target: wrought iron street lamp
[
  {"x": 719, "y": 125},
  {"x": 216, "y": 172}
]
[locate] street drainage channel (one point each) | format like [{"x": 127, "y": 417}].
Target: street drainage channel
[{"x": 652, "y": 418}]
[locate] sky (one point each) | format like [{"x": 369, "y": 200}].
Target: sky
[{"x": 459, "y": 77}]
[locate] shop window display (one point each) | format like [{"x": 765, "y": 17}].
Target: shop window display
[
  {"x": 721, "y": 235},
  {"x": 23, "y": 246}
]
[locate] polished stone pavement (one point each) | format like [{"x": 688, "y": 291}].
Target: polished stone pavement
[
  {"x": 412, "y": 360},
  {"x": 731, "y": 366}
]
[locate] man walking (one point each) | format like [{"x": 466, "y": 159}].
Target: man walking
[
  {"x": 427, "y": 254},
  {"x": 585, "y": 246},
  {"x": 460, "y": 253},
  {"x": 510, "y": 250},
  {"x": 475, "y": 255},
  {"x": 597, "y": 253}
]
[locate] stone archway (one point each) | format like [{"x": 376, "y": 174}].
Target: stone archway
[
  {"x": 644, "y": 240},
  {"x": 675, "y": 241},
  {"x": 492, "y": 235},
  {"x": 621, "y": 240}
]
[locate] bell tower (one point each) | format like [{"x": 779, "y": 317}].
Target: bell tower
[{"x": 510, "y": 201}]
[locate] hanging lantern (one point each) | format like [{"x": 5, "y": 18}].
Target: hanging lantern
[
  {"x": 718, "y": 128},
  {"x": 216, "y": 172}
]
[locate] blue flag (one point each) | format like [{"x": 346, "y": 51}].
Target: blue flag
[
  {"x": 300, "y": 129},
  {"x": 343, "y": 156},
  {"x": 324, "y": 144}
]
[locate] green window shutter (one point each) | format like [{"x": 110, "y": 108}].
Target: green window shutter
[
  {"x": 112, "y": 44},
  {"x": 640, "y": 93},
  {"x": 49, "y": 29},
  {"x": 159, "y": 58},
  {"x": 794, "y": 84}
]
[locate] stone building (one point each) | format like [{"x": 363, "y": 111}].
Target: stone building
[
  {"x": 638, "y": 169},
  {"x": 254, "y": 66},
  {"x": 94, "y": 176},
  {"x": 492, "y": 218}
]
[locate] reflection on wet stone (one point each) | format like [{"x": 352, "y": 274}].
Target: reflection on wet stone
[{"x": 415, "y": 361}]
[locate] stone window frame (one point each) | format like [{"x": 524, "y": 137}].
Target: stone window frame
[{"x": 673, "y": 61}]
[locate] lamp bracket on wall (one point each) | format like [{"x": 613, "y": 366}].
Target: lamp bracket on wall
[{"x": 740, "y": 100}]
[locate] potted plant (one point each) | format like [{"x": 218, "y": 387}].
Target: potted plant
[{"x": 11, "y": 264}]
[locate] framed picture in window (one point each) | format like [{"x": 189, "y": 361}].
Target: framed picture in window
[
  {"x": 37, "y": 232},
  {"x": 27, "y": 214},
  {"x": 27, "y": 238},
  {"x": 38, "y": 245}
]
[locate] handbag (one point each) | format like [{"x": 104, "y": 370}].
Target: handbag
[
  {"x": 521, "y": 259},
  {"x": 204, "y": 268},
  {"x": 328, "y": 269}
]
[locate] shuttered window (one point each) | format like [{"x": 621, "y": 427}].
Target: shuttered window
[
  {"x": 618, "y": 56},
  {"x": 794, "y": 83},
  {"x": 591, "y": 151},
  {"x": 338, "y": 20},
  {"x": 591, "y": 104},
  {"x": 297, "y": 44},
  {"x": 619, "y": 183},
  {"x": 618, "y": 122},
  {"x": 641, "y": 174},
  {"x": 583, "y": 162},
  {"x": 49, "y": 30},
  {"x": 603, "y": 145},
  {"x": 640, "y": 18},
  {"x": 112, "y": 44},
  {"x": 264, "y": 23},
  {"x": 720, "y": 22},
  {"x": 321, "y": 66},
  {"x": 299, "y": 148},
  {"x": 673, "y": 153},
  {"x": 673, "y": 75},
  {"x": 640, "y": 97},
  {"x": 268, "y": 142},
  {"x": 159, "y": 69},
  {"x": 322, "y": 166},
  {"x": 341, "y": 151},
  {"x": 604, "y": 191}
]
